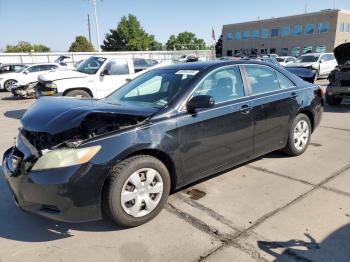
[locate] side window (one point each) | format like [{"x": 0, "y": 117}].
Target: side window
[
  {"x": 118, "y": 67},
  {"x": 262, "y": 79},
  {"x": 47, "y": 67},
  {"x": 324, "y": 58},
  {"x": 284, "y": 81},
  {"x": 33, "y": 69},
  {"x": 223, "y": 85}
]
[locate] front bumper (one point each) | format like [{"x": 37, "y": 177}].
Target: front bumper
[
  {"x": 71, "y": 194},
  {"x": 338, "y": 91}
]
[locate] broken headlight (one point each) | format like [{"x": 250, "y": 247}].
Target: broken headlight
[{"x": 65, "y": 157}]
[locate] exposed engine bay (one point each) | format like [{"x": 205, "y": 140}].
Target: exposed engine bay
[
  {"x": 95, "y": 124},
  {"x": 25, "y": 91}
]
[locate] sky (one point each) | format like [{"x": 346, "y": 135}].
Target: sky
[{"x": 56, "y": 23}]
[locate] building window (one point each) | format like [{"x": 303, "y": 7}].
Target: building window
[
  {"x": 320, "y": 49},
  {"x": 285, "y": 31},
  {"x": 255, "y": 34},
  {"x": 275, "y": 32},
  {"x": 323, "y": 27},
  {"x": 238, "y": 35},
  {"x": 263, "y": 51},
  {"x": 296, "y": 51},
  {"x": 229, "y": 36},
  {"x": 246, "y": 35},
  {"x": 298, "y": 29},
  {"x": 229, "y": 52},
  {"x": 284, "y": 51},
  {"x": 237, "y": 52},
  {"x": 344, "y": 27},
  {"x": 307, "y": 50},
  {"x": 309, "y": 29},
  {"x": 265, "y": 33}
]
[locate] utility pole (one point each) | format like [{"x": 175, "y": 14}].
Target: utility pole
[
  {"x": 97, "y": 31},
  {"x": 89, "y": 27}
]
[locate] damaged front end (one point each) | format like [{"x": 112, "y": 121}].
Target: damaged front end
[
  {"x": 339, "y": 79},
  {"x": 25, "y": 91},
  {"x": 94, "y": 125}
]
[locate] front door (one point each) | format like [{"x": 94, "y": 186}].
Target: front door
[
  {"x": 274, "y": 99},
  {"x": 113, "y": 75},
  {"x": 219, "y": 136}
]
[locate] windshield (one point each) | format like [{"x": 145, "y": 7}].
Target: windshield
[
  {"x": 91, "y": 65},
  {"x": 156, "y": 88},
  {"x": 308, "y": 58}
]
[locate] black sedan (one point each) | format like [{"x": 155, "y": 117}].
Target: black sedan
[{"x": 76, "y": 159}]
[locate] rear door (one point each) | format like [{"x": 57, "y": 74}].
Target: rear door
[
  {"x": 218, "y": 136},
  {"x": 274, "y": 101},
  {"x": 114, "y": 75}
]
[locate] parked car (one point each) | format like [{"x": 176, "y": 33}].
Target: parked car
[
  {"x": 141, "y": 64},
  {"x": 339, "y": 79},
  {"x": 97, "y": 77},
  {"x": 188, "y": 58},
  {"x": 122, "y": 155},
  {"x": 284, "y": 60},
  {"x": 11, "y": 68},
  {"x": 323, "y": 63},
  {"x": 27, "y": 75}
]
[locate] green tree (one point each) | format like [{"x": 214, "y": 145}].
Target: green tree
[
  {"x": 185, "y": 40},
  {"x": 218, "y": 47},
  {"x": 129, "y": 36},
  {"x": 81, "y": 44},
  {"x": 26, "y": 47}
]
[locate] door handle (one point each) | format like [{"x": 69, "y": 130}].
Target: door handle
[
  {"x": 245, "y": 109},
  {"x": 293, "y": 95}
]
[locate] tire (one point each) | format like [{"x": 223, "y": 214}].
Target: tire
[
  {"x": 8, "y": 84},
  {"x": 79, "y": 93},
  {"x": 333, "y": 101},
  {"x": 125, "y": 212},
  {"x": 297, "y": 146}
]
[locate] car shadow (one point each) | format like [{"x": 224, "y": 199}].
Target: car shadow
[
  {"x": 16, "y": 114},
  {"x": 22, "y": 226},
  {"x": 335, "y": 247}
]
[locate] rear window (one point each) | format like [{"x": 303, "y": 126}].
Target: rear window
[{"x": 262, "y": 79}]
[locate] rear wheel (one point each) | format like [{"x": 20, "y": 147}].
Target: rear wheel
[
  {"x": 299, "y": 136},
  {"x": 136, "y": 190},
  {"x": 8, "y": 84},
  {"x": 78, "y": 93},
  {"x": 333, "y": 101}
]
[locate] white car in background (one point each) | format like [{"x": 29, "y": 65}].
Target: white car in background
[
  {"x": 27, "y": 75},
  {"x": 323, "y": 63},
  {"x": 284, "y": 60},
  {"x": 96, "y": 77}
]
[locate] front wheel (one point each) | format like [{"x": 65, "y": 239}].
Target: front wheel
[
  {"x": 299, "y": 136},
  {"x": 8, "y": 84},
  {"x": 78, "y": 94},
  {"x": 136, "y": 190}
]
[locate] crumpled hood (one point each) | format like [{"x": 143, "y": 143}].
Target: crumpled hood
[
  {"x": 307, "y": 64},
  {"x": 61, "y": 74},
  {"x": 342, "y": 53},
  {"x": 54, "y": 115}
]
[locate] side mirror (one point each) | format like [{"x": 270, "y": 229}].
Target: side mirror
[
  {"x": 321, "y": 61},
  {"x": 105, "y": 72},
  {"x": 197, "y": 102},
  {"x": 128, "y": 80},
  {"x": 25, "y": 72}
]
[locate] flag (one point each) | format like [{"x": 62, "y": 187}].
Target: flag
[{"x": 213, "y": 34}]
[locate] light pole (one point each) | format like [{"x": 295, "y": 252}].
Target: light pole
[{"x": 97, "y": 31}]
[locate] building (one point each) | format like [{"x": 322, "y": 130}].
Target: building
[{"x": 291, "y": 35}]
